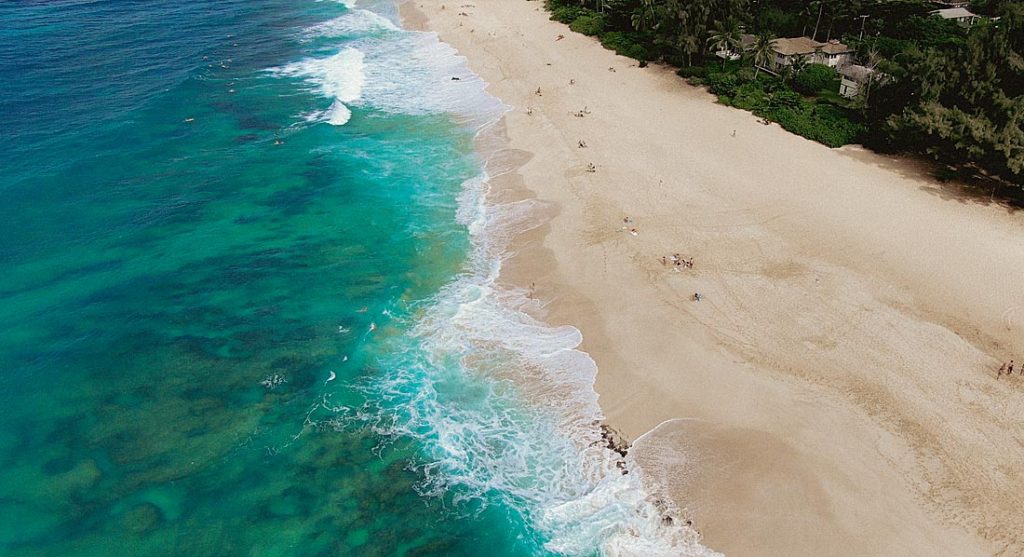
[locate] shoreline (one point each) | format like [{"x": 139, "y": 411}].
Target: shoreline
[{"x": 807, "y": 422}]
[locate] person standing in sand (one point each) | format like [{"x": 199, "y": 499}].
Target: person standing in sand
[{"x": 1009, "y": 369}]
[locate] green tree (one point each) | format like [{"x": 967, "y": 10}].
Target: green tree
[
  {"x": 726, "y": 38},
  {"x": 799, "y": 64},
  {"x": 814, "y": 78},
  {"x": 763, "y": 50},
  {"x": 645, "y": 16},
  {"x": 962, "y": 106},
  {"x": 690, "y": 45}
]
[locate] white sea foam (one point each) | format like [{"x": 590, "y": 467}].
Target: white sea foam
[
  {"x": 395, "y": 71},
  {"x": 340, "y": 77},
  {"x": 503, "y": 403},
  {"x": 354, "y": 24},
  {"x": 530, "y": 428},
  {"x": 415, "y": 76}
]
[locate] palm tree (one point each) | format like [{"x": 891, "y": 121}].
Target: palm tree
[
  {"x": 821, "y": 6},
  {"x": 645, "y": 16},
  {"x": 690, "y": 45},
  {"x": 763, "y": 50},
  {"x": 799, "y": 63},
  {"x": 726, "y": 38}
]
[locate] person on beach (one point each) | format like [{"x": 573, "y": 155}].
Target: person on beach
[
  {"x": 537, "y": 92},
  {"x": 697, "y": 297},
  {"x": 582, "y": 144},
  {"x": 664, "y": 261},
  {"x": 1009, "y": 369}
]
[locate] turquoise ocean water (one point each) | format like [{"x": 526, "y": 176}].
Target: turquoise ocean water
[{"x": 248, "y": 307}]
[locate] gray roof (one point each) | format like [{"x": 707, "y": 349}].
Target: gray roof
[
  {"x": 953, "y": 13},
  {"x": 856, "y": 72},
  {"x": 803, "y": 45}
]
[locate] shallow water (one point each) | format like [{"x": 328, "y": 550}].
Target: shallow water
[{"x": 248, "y": 301}]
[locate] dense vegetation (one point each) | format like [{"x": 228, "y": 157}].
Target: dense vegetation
[{"x": 954, "y": 94}]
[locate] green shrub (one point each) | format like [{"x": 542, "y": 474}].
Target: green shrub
[
  {"x": 692, "y": 71},
  {"x": 745, "y": 74},
  {"x": 750, "y": 96},
  {"x": 814, "y": 78},
  {"x": 566, "y": 14},
  {"x": 723, "y": 83},
  {"x": 824, "y": 124},
  {"x": 785, "y": 99},
  {"x": 625, "y": 45},
  {"x": 588, "y": 24}
]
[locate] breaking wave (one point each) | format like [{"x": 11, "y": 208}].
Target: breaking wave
[{"x": 503, "y": 405}]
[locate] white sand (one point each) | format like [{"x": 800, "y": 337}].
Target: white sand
[{"x": 839, "y": 375}]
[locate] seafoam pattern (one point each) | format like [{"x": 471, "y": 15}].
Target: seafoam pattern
[{"x": 504, "y": 404}]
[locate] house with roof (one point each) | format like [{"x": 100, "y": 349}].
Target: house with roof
[
  {"x": 832, "y": 53},
  {"x": 852, "y": 78},
  {"x": 962, "y": 16},
  {"x": 855, "y": 77}
]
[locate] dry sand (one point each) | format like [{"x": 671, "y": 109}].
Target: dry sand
[{"x": 835, "y": 391}]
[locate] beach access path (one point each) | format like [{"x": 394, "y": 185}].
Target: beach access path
[{"x": 834, "y": 391}]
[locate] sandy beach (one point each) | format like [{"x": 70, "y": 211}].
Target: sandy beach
[{"x": 835, "y": 391}]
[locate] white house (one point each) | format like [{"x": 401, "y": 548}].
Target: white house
[
  {"x": 960, "y": 15},
  {"x": 833, "y": 53}
]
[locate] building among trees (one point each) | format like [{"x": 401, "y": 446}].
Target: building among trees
[
  {"x": 962, "y": 16},
  {"x": 832, "y": 53},
  {"x": 853, "y": 77}
]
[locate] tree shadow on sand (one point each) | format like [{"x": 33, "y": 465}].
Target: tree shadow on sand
[{"x": 964, "y": 184}]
